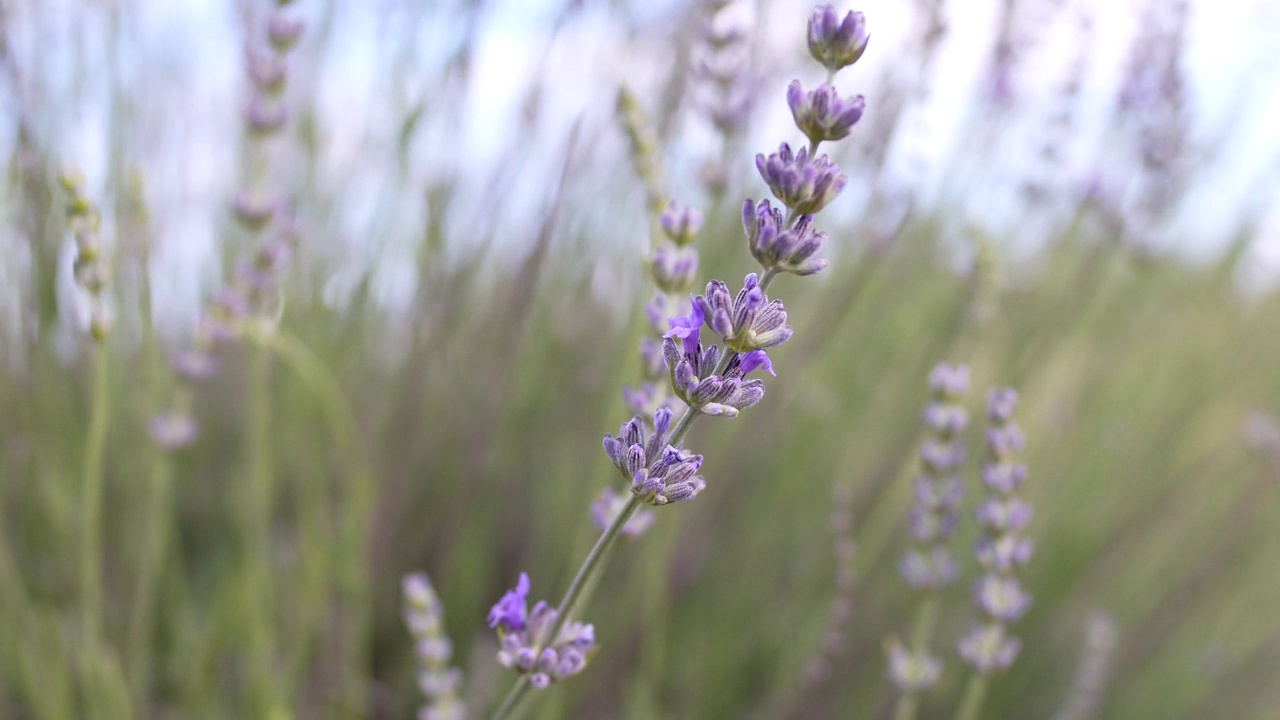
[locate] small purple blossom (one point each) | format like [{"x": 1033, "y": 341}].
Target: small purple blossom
[
  {"x": 674, "y": 269},
  {"x": 265, "y": 116},
  {"x": 283, "y": 32},
  {"x": 753, "y": 359},
  {"x": 687, "y": 327},
  {"x": 777, "y": 247},
  {"x": 720, "y": 395},
  {"x": 511, "y": 612},
  {"x": 931, "y": 570},
  {"x": 563, "y": 656},
  {"x": 680, "y": 223},
  {"x": 989, "y": 648},
  {"x": 821, "y": 114},
  {"x": 747, "y": 322},
  {"x": 172, "y": 430},
  {"x": 254, "y": 211},
  {"x": 803, "y": 184},
  {"x": 671, "y": 479},
  {"x": 836, "y": 43},
  {"x": 909, "y": 672},
  {"x": 606, "y": 508},
  {"x": 949, "y": 380},
  {"x": 195, "y": 365}
]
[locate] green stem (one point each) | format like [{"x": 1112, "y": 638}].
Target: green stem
[
  {"x": 144, "y": 593},
  {"x": 974, "y": 693},
  {"x": 258, "y": 593},
  {"x": 91, "y": 498},
  {"x": 513, "y": 699}
]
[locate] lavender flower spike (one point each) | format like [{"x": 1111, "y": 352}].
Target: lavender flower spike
[
  {"x": 1001, "y": 550},
  {"x": 804, "y": 185},
  {"x": 822, "y": 114},
  {"x": 835, "y": 43},
  {"x": 747, "y": 322},
  {"x": 691, "y": 369},
  {"x": 562, "y": 657},
  {"x": 779, "y": 248},
  {"x": 680, "y": 223},
  {"x": 424, "y": 617}
]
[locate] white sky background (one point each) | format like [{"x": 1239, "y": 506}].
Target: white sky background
[{"x": 188, "y": 53}]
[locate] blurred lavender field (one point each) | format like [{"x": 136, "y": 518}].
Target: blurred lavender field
[{"x": 432, "y": 216}]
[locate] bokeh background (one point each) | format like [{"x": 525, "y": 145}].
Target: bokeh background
[{"x": 1076, "y": 198}]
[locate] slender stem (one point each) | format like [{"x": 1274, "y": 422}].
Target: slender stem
[
  {"x": 974, "y": 693},
  {"x": 144, "y": 593},
  {"x": 91, "y": 519},
  {"x": 258, "y": 591},
  {"x": 513, "y": 699}
]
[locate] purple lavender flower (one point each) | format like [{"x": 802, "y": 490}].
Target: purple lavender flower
[
  {"x": 424, "y": 616},
  {"x": 687, "y": 327},
  {"x": 822, "y": 114},
  {"x": 254, "y": 211},
  {"x": 989, "y": 648},
  {"x": 511, "y": 612},
  {"x": 928, "y": 570},
  {"x": 777, "y": 247},
  {"x": 721, "y": 395},
  {"x": 563, "y": 656},
  {"x": 747, "y": 322},
  {"x": 671, "y": 479},
  {"x": 836, "y": 43},
  {"x": 265, "y": 116},
  {"x": 195, "y": 365},
  {"x": 632, "y": 451},
  {"x": 804, "y": 185},
  {"x": 910, "y": 672},
  {"x": 283, "y": 32},
  {"x": 680, "y": 223},
  {"x": 675, "y": 269},
  {"x": 607, "y": 507},
  {"x": 1000, "y": 599},
  {"x": 269, "y": 73},
  {"x": 172, "y": 430}
]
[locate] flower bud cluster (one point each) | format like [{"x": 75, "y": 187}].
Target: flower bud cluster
[
  {"x": 1002, "y": 549},
  {"x": 523, "y": 647},
  {"x": 658, "y": 472},
  {"x": 253, "y": 296},
  {"x": 438, "y": 681},
  {"x": 723, "y": 67},
  {"x": 91, "y": 269},
  {"x": 938, "y": 487}
]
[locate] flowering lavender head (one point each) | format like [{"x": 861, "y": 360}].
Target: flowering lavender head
[
  {"x": 721, "y": 395},
  {"x": 607, "y": 507},
  {"x": 949, "y": 381},
  {"x": 680, "y": 223},
  {"x": 998, "y": 515},
  {"x": 674, "y": 269},
  {"x": 932, "y": 570},
  {"x": 195, "y": 365},
  {"x": 836, "y": 43},
  {"x": 1001, "y": 403},
  {"x": 989, "y": 648},
  {"x": 777, "y": 247},
  {"x": 821, "y": 114},
  {"x": 510, "y": 613},
  {"x": 1001, "y": 598},
  {"x": 671, "y": 479},
  {"x": 172, "y": 430},
  {"x": 631, "y": 451},
  {"x": 254, "y": 211},
  {"x": 687, "y": 328},
  {"x": 1004, "y": 553},
  {"x": 748, "y": 321},
  {"x": 265, "y": 116},
  {"x": 283, "y": 32},
  {"x": 803, "y": 184},
  {"x": 909, "y": 672},
  {"x": 563, "y": 656}
]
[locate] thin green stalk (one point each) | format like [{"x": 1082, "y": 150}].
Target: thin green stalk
[
  {"x": 975, "y": 692},
  {"x": 921, "y": 631},
  {"x": 91, "y": 503},
  {"x": 358, "y": 502},
  {"x": 155, "y": 532},
  {"x": 257, "y": 598}
]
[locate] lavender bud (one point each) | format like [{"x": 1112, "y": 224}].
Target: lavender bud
[
  {"x": 822, "y": 114},
  {"x": 1001, "y": 598},
  {"x": 264, "y": 116},
  {"x": 195, "y": 365},
  {"x": 172, "y": 430},
  {"x": 268, "y": 73},
  {"x": 254, "y": 211},
  {"x": 803, "y": 185},
  {"x": 909, "y": 672},
  {"x": 675, "y": 269},
  {"x": 989, "y": 648},
  {"x": 680, "y": 223},
  {"x": 283, "y": 32},
  {"x": 835, "y": 43}
]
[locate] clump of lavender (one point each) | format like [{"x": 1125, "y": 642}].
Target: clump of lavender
[
  {"x": 252, "y": 299},
  {"x": 987, "y": 647},
  {"x": 929, "y": 566},
  {"x": 438, "y": 681},
  {"x": 543, "y": 645},
  {"x": 91, "y": 269},
  {"x": 534, "y": 644}
]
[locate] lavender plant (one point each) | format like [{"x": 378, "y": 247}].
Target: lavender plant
[
  {"x": 544, "y": 645},
  {"x": 987, "y": 647},
  {"x": 929, "y": 566},
  {"x": 439, "y": 682}
]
